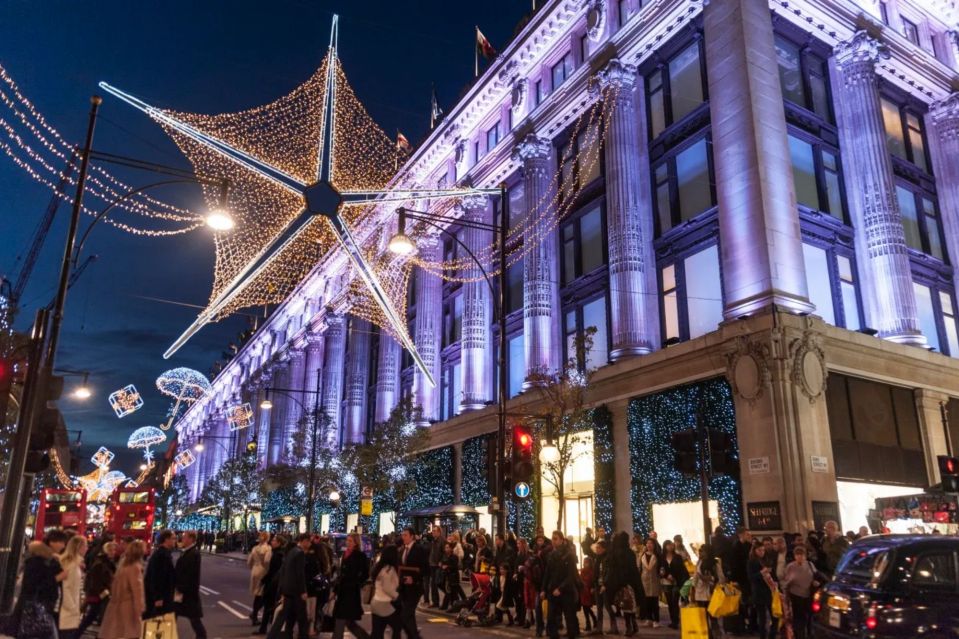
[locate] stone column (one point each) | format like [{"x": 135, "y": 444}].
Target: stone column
[
  {"x": 333, "y": 373},
  {"x": 296, "y": 399},
  {"x": 477, "y": 343},
  {"x": 263, "y": 416},
  {"x": 760, "y": 240},
  {"x": 427, "y": 331},
  {"x": 387, "y": 377},
  {"x": 930, "y": 406},
  {"x": 541, "y": 317},
  {"x": 276, "y": 443},
  {"x": 945, "y": 118},
  {"x": 313, "y": 373},
  {"x": 880, "y": 240},
  {"x": 629, "y": 198},
  {"x": 357, "y": 382},
  {"x": 622, "y": 479}
]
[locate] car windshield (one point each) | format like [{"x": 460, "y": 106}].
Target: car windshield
[{"x": 863, "y": 566}]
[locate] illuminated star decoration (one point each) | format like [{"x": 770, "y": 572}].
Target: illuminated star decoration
[
  {"x": 145, "y": 438},
  {"x": 185, "y": 385},
  {"x": 184, "y": 459},
  {"x": 317, "y": 164},
  {"x": 125, "y": 401},
  {"x": 103, "y": 457},
  {"x": 240, "y": 416},
  {"x": 100, "y": 483}
]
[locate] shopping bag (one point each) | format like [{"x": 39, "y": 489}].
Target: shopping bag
[
  {"x": 162, "y": 627},
  {"x": 725, "y": 601},
  {"x": 692, "y": 623},
  {"x": 777, "y": 604},
  {"x": 545, "y": 604}
]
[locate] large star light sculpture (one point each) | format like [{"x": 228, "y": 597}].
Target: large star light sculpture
[{"x": 331, "y": 192}]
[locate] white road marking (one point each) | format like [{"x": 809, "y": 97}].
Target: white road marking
[
  {"x": 242, "y": 605},
  {"x": 233, "y": 611},
  {"x": 208, "y": 591}
]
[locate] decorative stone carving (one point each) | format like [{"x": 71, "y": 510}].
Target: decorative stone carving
[
  {"x": 747, "y": 367},
  {"x": 808, "y": 371},
  {"x": 596, "y": 19},
  {"x": 518, "y": 97},
  {"x": 945, "y": 115},
  {"x": 856, "y": 57},
  {"x": 532, "y": 147}
]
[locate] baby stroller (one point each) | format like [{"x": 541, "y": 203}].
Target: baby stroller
[{"x": 474, "y": 610}]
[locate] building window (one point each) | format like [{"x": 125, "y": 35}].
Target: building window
[
  {"x": 584, "y": 47},
  {"x": 682, "y": 185},
  {"x": 561, "y": 71},
  {"x": 920, "y": 221},
  {"x": 803, "y": 77},
  {"x": 451, "y": 391},
  {"x": 905, "y": 136},
  {"x": 580, "y": 160},
  {"x": 884, "y": 13},
  {"x": 517, "y": 364},
  {"x": 452, "y": 320},
  {"x": 492, "y": 137},
  {"x": 622, "y": 10},
  {"x": 675, "y": 90},
  {"x": 514, "y": 291},
  {"x": 592, "y": 314},
  {"x": 910, "y": 30},
  {"x": 848, "y": 293},
  {"x": 691, "y": 302},
  {"x": 832, "y": 286},
  {"x": 583, "y": 245},
  {"x": 817, "y": 176},
  {"x": 937, "y": 318}
]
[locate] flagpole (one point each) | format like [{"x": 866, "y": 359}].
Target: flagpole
[
  {"x": 396, "y": 156},
  {"x": 476, "y": 53},
  {"x": 432, "y": 107}
]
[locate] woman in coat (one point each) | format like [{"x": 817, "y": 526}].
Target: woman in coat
[
  {"x": 258, "y": 562},
  {"x": 354, "y": 571},
  {"x": 709, "y": 574},
  {"x": 386, "y": 593},
  {"x": 648, "y": 564},
  {"x": 71, "y": 562},
  {"x": 123, "y": 618},
  {"x": 622, "y": 581},
  {"x": 39, "y": 593},
  {"x": 673, "y": 574},
  {"x": 762, "y": 594},
  {"x": 271, "y": 582}
]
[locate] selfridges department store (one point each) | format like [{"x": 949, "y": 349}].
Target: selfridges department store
[{"x": 771, "y": 226}]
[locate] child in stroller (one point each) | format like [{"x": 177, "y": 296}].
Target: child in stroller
[{"x": 475, "y": 608}]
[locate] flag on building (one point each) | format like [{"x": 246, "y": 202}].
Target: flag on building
[
  {"x": 436, "y": 113},
  {"x": 402, "y": 144},
  {"x": 484, "y": 48}
]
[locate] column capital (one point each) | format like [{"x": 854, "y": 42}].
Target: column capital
[
  {"x": 945, "y": 115},
  {"x": 858, "y": 53},
  {"x": 616, "y": 75},
  {"x": 296, "y": 355},
  {"x": 532, "y": 147},
  {"x": 314, "y": 339},
  {"x": 474, "y": 202}
]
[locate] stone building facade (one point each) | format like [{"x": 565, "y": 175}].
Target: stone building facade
[{"x": 775, "y": 213}]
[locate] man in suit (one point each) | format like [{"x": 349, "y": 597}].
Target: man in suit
[
  {"x": 160, "y": 577},
  {"x": 187, "y": 594},
  {"x": 414, "y": 564},
  {"x": 292, "y": 586}
]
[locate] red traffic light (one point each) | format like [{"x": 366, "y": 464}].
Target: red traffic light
[
  {"x": 948, "y": 466},
  {"x": 524, "y": 440}
]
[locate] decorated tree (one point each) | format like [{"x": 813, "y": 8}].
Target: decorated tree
[
  {"x": 563, "y": 416},
  {"x": 173, "y": 498},
  {"x": 382, "y": 463},
  {"x": 312, "y": 460},
  {"x": 235, "y": 486}
]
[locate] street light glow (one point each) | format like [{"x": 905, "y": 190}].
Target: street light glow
[
  {"x": 143, "y": 466},
  {"x": 549, "y": 454},
  {"x": 401, "y": 244},
  {"x": 82, "y": 392},
  {"x": 220, "y": 220},
  {"x": 198, "y": 448},
  {"x": 266, "y": 404},
  {"x": 334, "y": 495}
]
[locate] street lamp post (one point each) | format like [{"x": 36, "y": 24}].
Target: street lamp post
[{"x": 401, "y": 244}]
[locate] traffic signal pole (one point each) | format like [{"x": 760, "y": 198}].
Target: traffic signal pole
[{"x": 702, "y": 448}]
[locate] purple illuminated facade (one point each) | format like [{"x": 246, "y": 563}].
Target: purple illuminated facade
[{"x": 776, "y": 203}]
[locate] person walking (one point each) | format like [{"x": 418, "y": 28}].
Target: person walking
[
  {"x": 559, "y": 588},
  {"x": 648, "y": 564},
  {"x": 672, "y": 575},
  {"x": 160, "y": 578},
  {"x": 834, "y": 545},
  {"x": 601, "y": 592},
  {"x": 587, "y": 576},
  {"x": 759, "y": 577},
  {"x": 127, "y": 604},
  {"x": 96, "y": 584},
  {"x": 437, "y": 575},
  {"x": 386, "y": 593},
  {"x": 271, "y": 582},
  {"x": 71, "y": 563},
  {"x": 187, "y": 595},
  {"x": 413, "y": 565},
  {"x": 292, "y": 587},
  {"x": 39, "y": 593},
  {"x": 709, "y": 574},
  {"x": 348, "y": 608},
  {"x": 799, "y": 583},
  {"x": 258, "y": 561}
]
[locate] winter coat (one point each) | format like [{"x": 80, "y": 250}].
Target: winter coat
[
  {"x": 271, "y": 581},
  {"x": 99, "y": 577},
  {"x": 188, "y": 584},
  {"x": 704, "y": 581},
  {"x": 159, "y": 583},
  {"x": 72, "y": 590},
  {"x": 451, "y": 572},
  {"x": 122, "y": 619},
  {"x": 588, "y": 577},
  {"x": 354, "y": 571},
  {"x": 648, "y": 564},
  {"x": 386, "y": 590},
  {"x": 761, "y": 594},
  {"x": 621, "y": 570},
  {"x": 259, "y": 563},
  {"x": 40, "y": 578},
  {"x": 675, "y": 569},
  {"x": 292, "y": 577},
  {"x": 561, "y": 573}
]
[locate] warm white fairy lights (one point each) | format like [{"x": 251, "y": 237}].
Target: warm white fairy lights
[
  {"x": 146, "y": 438},
  {"x": 125, "y": 401},
  {"x": 184, "y": 385}
]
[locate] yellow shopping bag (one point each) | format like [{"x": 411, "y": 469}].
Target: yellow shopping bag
[
  {"x": 692, "y": 623},
  {"x": 777, "y": 604},
  {"x": 725, "y": 601},
  {"x": 162, "y": 627}
]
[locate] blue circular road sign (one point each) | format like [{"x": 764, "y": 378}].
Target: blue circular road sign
[{"x": 522, "y": 490}]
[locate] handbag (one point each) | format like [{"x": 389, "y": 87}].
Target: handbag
[
  {"x": 36, "y": 622},
  {"x": 724, "y": 601},
  {"x": 777, "y": 606},
  {"x": 692, "y": 623},
  {"x": 162, "y": 627}
]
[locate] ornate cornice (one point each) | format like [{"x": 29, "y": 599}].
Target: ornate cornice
[
  {"x": 860, "y": 49},
  {"x": 945, "y": 115},
  {"x": 616, "y": 75},
  {"x": 532, "y": 147}
]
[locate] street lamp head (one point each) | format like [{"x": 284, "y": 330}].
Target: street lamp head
[
  {"x": 334, "y": 495},
  {"x": 549, "y": 454},
  {"x": 199, "y": 447},
  {"x": 82, "y": 392},
  {"x": 219, "y": 219},
  {"x": 401, "y": 244},
  {"x": 266, "y": 404}
]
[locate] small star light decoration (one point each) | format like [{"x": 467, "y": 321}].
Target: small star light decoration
[
  {"x": 126, "y": 401},
  {"x": 102, "y": 458},
  {"x": 240, "y": 417},
  {"x": 184, "y": 459}
]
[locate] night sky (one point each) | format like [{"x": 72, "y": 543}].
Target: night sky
[{"x": 208, "y": 57}]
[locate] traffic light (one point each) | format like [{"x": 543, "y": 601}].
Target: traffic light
[
  {"x": 722, "y": 453},
  {"x": 521, "y": 460},
  {"x": 949, "y": 471},
  {"x": 50, "y": 420},
  {"x": 684, "y": 452}
]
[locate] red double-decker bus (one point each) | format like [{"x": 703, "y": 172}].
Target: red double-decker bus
[
  {"x": 61, "y": 508},
  {"x": 130, "y": 514}
]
